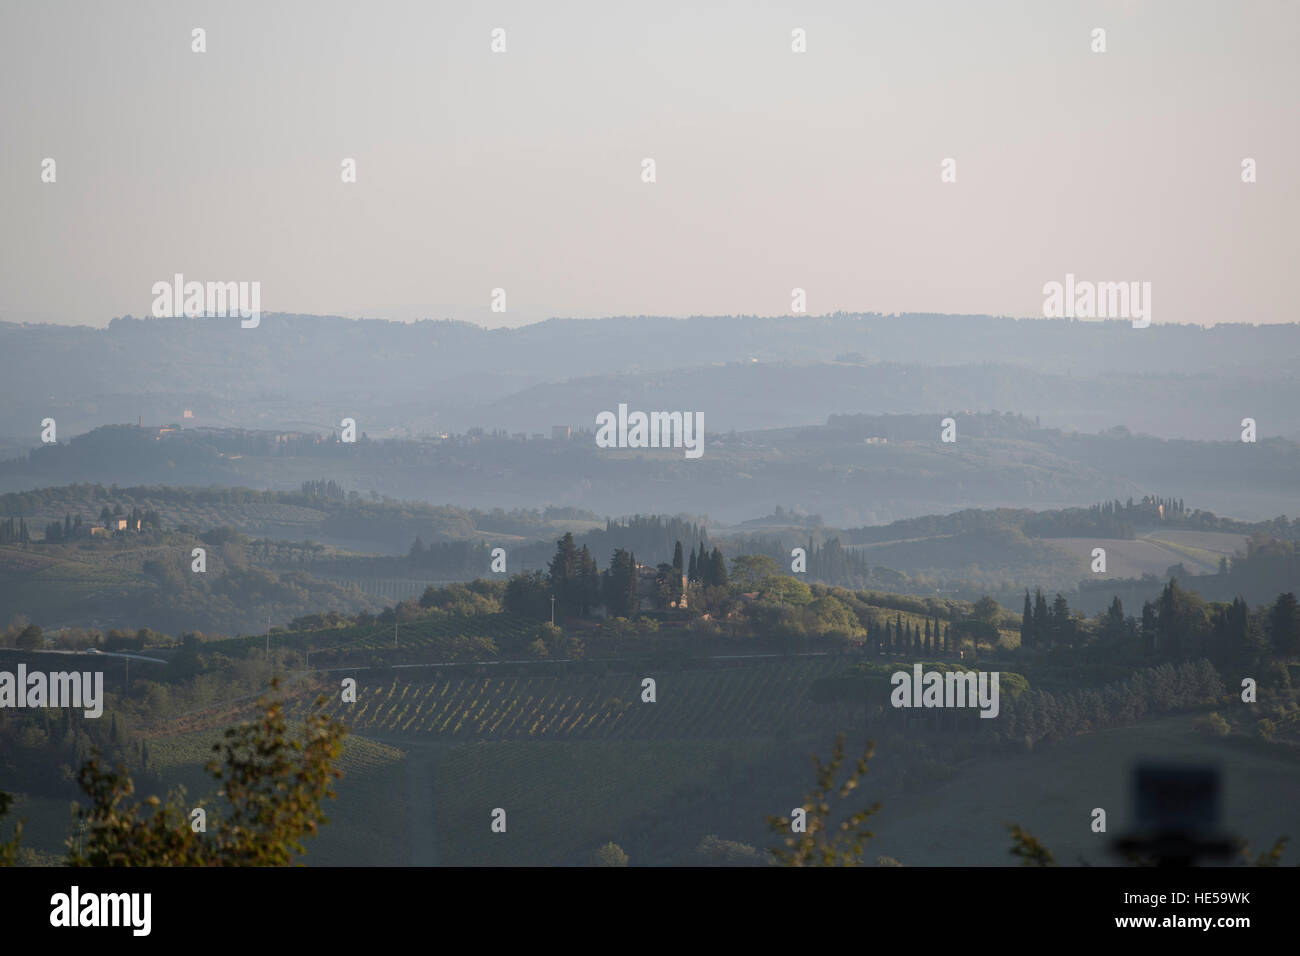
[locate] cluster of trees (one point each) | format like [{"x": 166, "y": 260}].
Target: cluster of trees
[
  {"x": 14, "y": 534},
  {"x": 273, "y": 785},
  {"x": 1178, "y": 625},
  {"x": 27, "y": 636},
  {"x": 476, "y": 597},
  {"x": 654, "y": 535},
  {"x": 960, "y": 637},
  {"x": 708, "y": 570},
  {"x": 1042, "y": 625},
  {"x": 1035, "y": 715},
  {"x": 829, "y": 562},
  {"x": 72, "y": 527},
  {"x": 467, "y": 558},
  {"x": 324, "y": 490},
  {"x": 69, "y": 529},
  {"x": 576, "y": 581},
  {"x": 1269, "y": 565},
  {"x": 577, "y": 585},
  {"x": 792, "y": 517},
  {"x": 40, "y": 748},
  {"x": 1181, "y": 624},
  {"x": 1106, "y": 519},
  {"x": 789, "y": 610},
  {"x": 899, "y": 637},
  {"x": 448, "y": 559},
  {"x": 782, "y": 606},
  {"x": 80, "y": 495},
  {"x": 621, "y": 586},
  {"x": 23, "y": 635},
  {"x": 669, "y": 576}
]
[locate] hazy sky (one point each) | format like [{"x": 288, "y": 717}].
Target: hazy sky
[{"x": 522, "y": 170}]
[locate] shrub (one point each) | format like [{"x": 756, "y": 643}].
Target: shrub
[
  {"x": 611, "y": 854},
  {"x": 715, "y": 852},
  {"x": 1215, "y": 725},
  {"x": 1274, "y": 675}
]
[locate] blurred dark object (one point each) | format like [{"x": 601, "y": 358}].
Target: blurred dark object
[{"x": 1177, "y": 817}]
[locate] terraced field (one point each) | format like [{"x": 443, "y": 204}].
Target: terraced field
[
  {"x": 389, "y": 589},
  {"x": 755, "y": 700}
]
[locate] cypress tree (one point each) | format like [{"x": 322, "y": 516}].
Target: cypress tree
[
  {"x": 1284, "y": 626},
  {"x": 1041, "y": 622},
  {"x": 719, "y": 566},
  {"x": 1027, "y": 623},
  {"x": 563, "y": 570},
  {"x": 633, "y": 599},
  {"x": 1150, "y": 625},
  {"x": 588, "y": 584}
]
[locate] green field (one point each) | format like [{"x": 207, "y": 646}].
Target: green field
[
  {"x": 1052, "y": 792},
  {"x": 1153, "y": 553},
  {"x": 427, "y": 631},
  {"x": 563, "y": 799},
  {"x": 431, "y": 801},
  {"x": 657, "y": 799}
]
